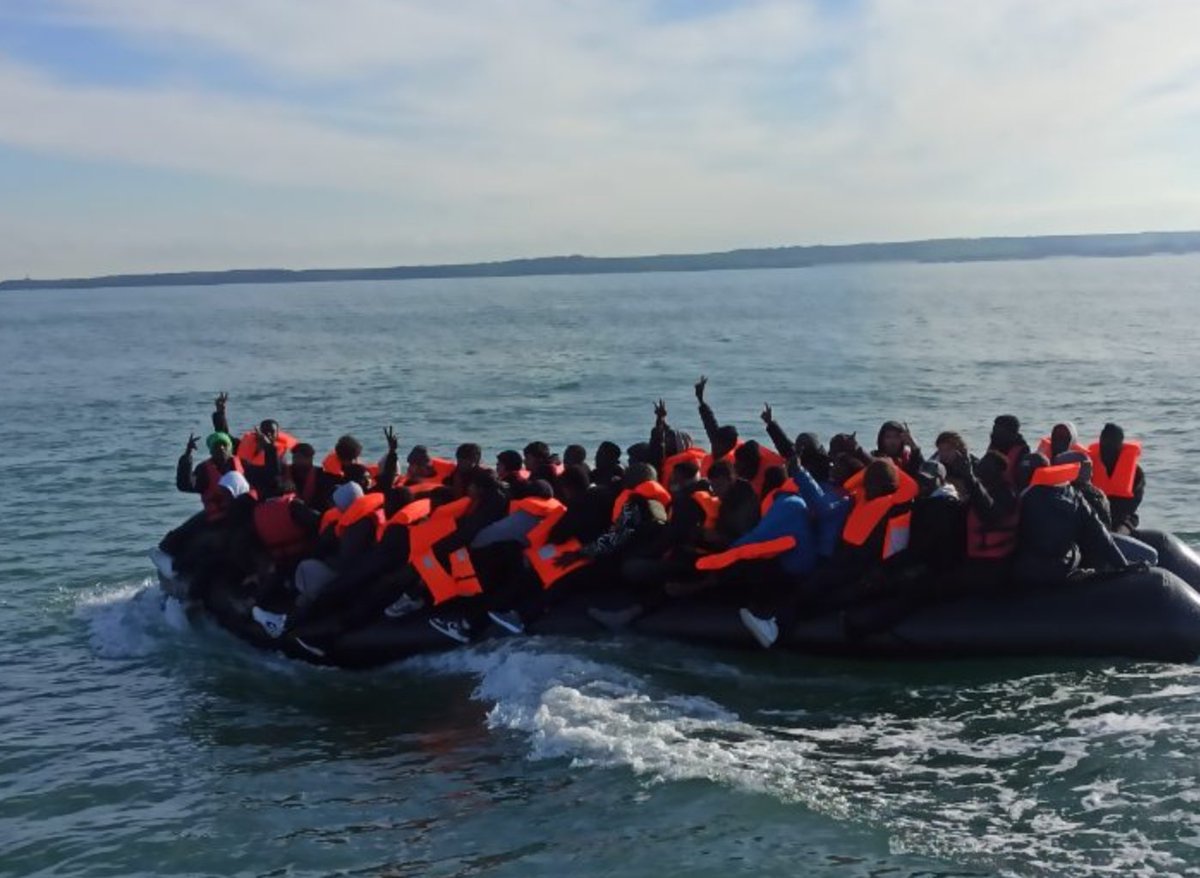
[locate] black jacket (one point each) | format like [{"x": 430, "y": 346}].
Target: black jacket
[{"x": 1059, "y": 534}]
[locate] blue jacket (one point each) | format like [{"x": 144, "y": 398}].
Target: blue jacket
[
  {"x": 828, "y": 505},
  {"x": 788, "y": 517}
]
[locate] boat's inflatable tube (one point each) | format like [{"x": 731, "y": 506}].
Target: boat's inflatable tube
[
  {"x": 1149, "y": 614},
  {"x": 1174, "y": 555}
]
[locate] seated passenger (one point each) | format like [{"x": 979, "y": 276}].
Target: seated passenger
[
  {"x": 608, "y": 471},
  {"x": 310, "y": 481},
  {"x": 1006, "y": 438},
  {"x": 467, "y": 459},
  {"x": 1118, "y": 474},
  {"x": 203, "y": 480},
  {"x": 510, "y": 469},
  {"x": 751, "y": 462},
  {"x": 952, "y": 453},
  {"x": 992, "y": 520},
  {"x": 896, "y": 443},
  {"x": 426, "y": 472},
  {"x": 722, "y": 439},
  {"x": 541, "y": 463},
  {"x": 1060, "y": 537},
  {"x": 807, "y": 448},
  {"x": 576, "y": 455},
  {"x": 741, "y": 507},
  {"x": 1063, "y": 438}
]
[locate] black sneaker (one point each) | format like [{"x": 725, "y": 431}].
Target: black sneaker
[
  {"x": 509, "y": 620},
  {"x": 455, "y": 629}
]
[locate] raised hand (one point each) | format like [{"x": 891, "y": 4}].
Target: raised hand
[
  {"x": 393, "y": 441},
  {"x": 700, "y": 385},
  {"x": 193, "y": 443},
  {"x": 767, "y": 415},
  {"x": 660, "y": 410},
  {"x": 220, "y": 401},
  {"x": 261, "y": 438}
]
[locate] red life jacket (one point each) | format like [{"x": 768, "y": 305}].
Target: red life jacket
[
  {"x": 1118, "y": 483},
  {"x": 893, "y": 508},
  {"x": 307, "y": 491},
  {"x": 1055, "y": 476},
  {"x": 329, "y": 519},
  {"x": 708, "y": 460},
  {"x": 366, "y": 506},
  {"x": 788, "y": 487},
  {"x": 211, "y": 498},
  {"x": 693, "y": 454},
  {"x": 248, "y": 450},
  {"x": 442, "y": 470},
  {"x": 1044, "y": 444},
  {"x": 748, "y": 552},
  {"x": 332, "y": 464},
  {"x": 1013, "y": 456},
  {"x": 992, "y": 543},
  {"x": 766, "y": 458},
  {"x": 542, "y": 554},
  {"x": 460, "y": 580},
  {"x": 647, "y": 491},
  {"x": 283, "y": 539}
]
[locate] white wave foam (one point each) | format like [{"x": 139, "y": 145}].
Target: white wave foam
[{"x": 127, "y": 621}]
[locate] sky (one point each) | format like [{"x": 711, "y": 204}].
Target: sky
[{"x": 158, "y": 135}]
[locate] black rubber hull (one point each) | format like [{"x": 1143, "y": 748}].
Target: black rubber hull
[{"x": 1151, "y": 615}]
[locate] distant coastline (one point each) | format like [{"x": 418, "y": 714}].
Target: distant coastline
[{"x": 937, "y": 250}]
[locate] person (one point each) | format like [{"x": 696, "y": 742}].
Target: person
[
  {"x": 608, "y": 471},
  {"x": 1117, "y": 472},
  {"x": 575, "y": 455},
  {"x": 467, "y": 459},
  {"x": 261, "y": 449},
  {"x": 1006, "y": 438},
  {"x": 807, "y": 448},
  {"x": 541, "y": 463},
  {"x": 1060, "y": 536},
  {"x": 751, "y": 462},
  {"x": 896, "y": 443},
  {"x": 225, "y": 549},
  {"x": 204, "y": 480},
  {"x": 740, "y": 505},
  {"x": 722, "y": 439},
  {"x": 510, "y": 469},
  {"x": 588, "y": 508},
  {"x": 1083, "y": 484},
  {"x": 1063, "y": 437},
  {"x": 951, "y": 448},
  {"x": 310, "y": 482},
  {"x": 993, "y": 514},
  {"x": 425, "y": 471}
]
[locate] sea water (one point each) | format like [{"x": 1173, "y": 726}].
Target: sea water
[{"x": 134, "y": 741}]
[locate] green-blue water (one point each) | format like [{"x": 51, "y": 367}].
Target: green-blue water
[{"x": 132, "y": 743}]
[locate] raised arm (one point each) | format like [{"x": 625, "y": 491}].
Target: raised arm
[
  {"x": 185, "y": 474},
  {"x": 219, "y": 421},
  {"x": 706, "y": 413},
  {"x": 782, "y": 443}
]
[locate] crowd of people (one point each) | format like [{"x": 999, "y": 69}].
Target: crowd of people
[{"x": 780, "y": 531}]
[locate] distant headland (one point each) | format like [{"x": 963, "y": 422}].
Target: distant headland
[{"x": 939, "y": 250}]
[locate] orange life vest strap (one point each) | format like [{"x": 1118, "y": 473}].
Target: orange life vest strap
[
  {"x": 749, "y": 552},
  {"x": 535, "y": 506},
  {"x": 866, "y": 514},
  {"x": 365, "y": 506},
  {"x": 647, "y": 491},
  {"x": 1119, "y": 483},
  {"x": 330, "y": 519},
  {"x": 542, "y": 554}
]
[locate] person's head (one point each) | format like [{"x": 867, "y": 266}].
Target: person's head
[
  {"x": 773, "y": 478},
  {"x": 881, "y": 478},
  {"x": 638, "y": 452},
  {"x": 720, "y": 476},
  {"x": 639, "y": 474},
  {"x": 302, "y": 456},
  {"x": 345, "y": 494},
  {"x": 540, "y": 489},
  {"x": 1006, "y": 432},
  {"x": 220, "y": 447},
  {"x": 1112, "y": 437},
  {"x": 891, "y": 438},
  {"x": 357, "y": 473},
  {"x": 608, "y": 455},
  {"x": 725, "y": 441},
  {"x": 537, "y": 454},
  {"x": 468, "y": 456},
  {"x": 746, "y": 460},
  {"x": 683, "y": 474},
  {"x": 1062, "y": 437},
  {"x": 508, "y": 464},
  {"x": 483, "y": 483},
  {"x": 574, "y": 454},
  {"x": 843, "y": 443},
  {"x": 269, "y": 428},
  {"x": 234, "y": 484},
  {"x": 1081, "y": 458},
  {"x": 419, "y": 463},
  {"x": 677, "y": 441},
  {"x": 1027, "y": 466},
  {"x": 992, "y": 470},
  {"x": 348, "y": 449},
  {"x": 574, "y": 482},
  {"x": 950, "y": 443},
  {"x": 808, "y": 443},
  {"x": 930, "y": 477}
]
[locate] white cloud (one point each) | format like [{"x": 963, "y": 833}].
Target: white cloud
[{"x": 483, "y": 129}]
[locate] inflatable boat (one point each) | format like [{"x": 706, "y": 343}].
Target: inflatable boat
[{"x": 1147, "y": 614}]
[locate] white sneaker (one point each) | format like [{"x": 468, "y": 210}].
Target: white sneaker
[
  {"x": 455, "y": 629},
  {"x": 403, "y": 607},
  {"x": 163, "y": 562},
  {"x": 272, "y": 623},
  {"x": 509, "y": 620},
  {"x": 765, "y": 631}
]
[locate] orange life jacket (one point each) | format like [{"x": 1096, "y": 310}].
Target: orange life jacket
[
  {"x": 693, "y": 454},
  {"x": 332, "y": 464},
  {"x": 788, "y": 487},
  {"x": 1044, "y": 444},
  {"x": 708, "y": 460},
  {"x": 647, "y": 491},
  {"x": 366, "y": 506},
  {"x": 542, "y": 554},
  {"x": 748, "y": 552},
  {"x": 866, "y": 515},
  {"x": 248, "y": 450},
  {"x": 1118, "y": 483},
  {"x": 211, "y": 498},
  {"x": 710, "y": 505},
  {"x": 329, "y": 519},
  {"x": 283, "y": 539},
  {"x": 460, "y": 580},
  {"x": 1055, "y": 476},
  {"x": 766, "y": 458},
  {"x": 442, "y": 470},
  {"x": 411, "y": 513}
]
